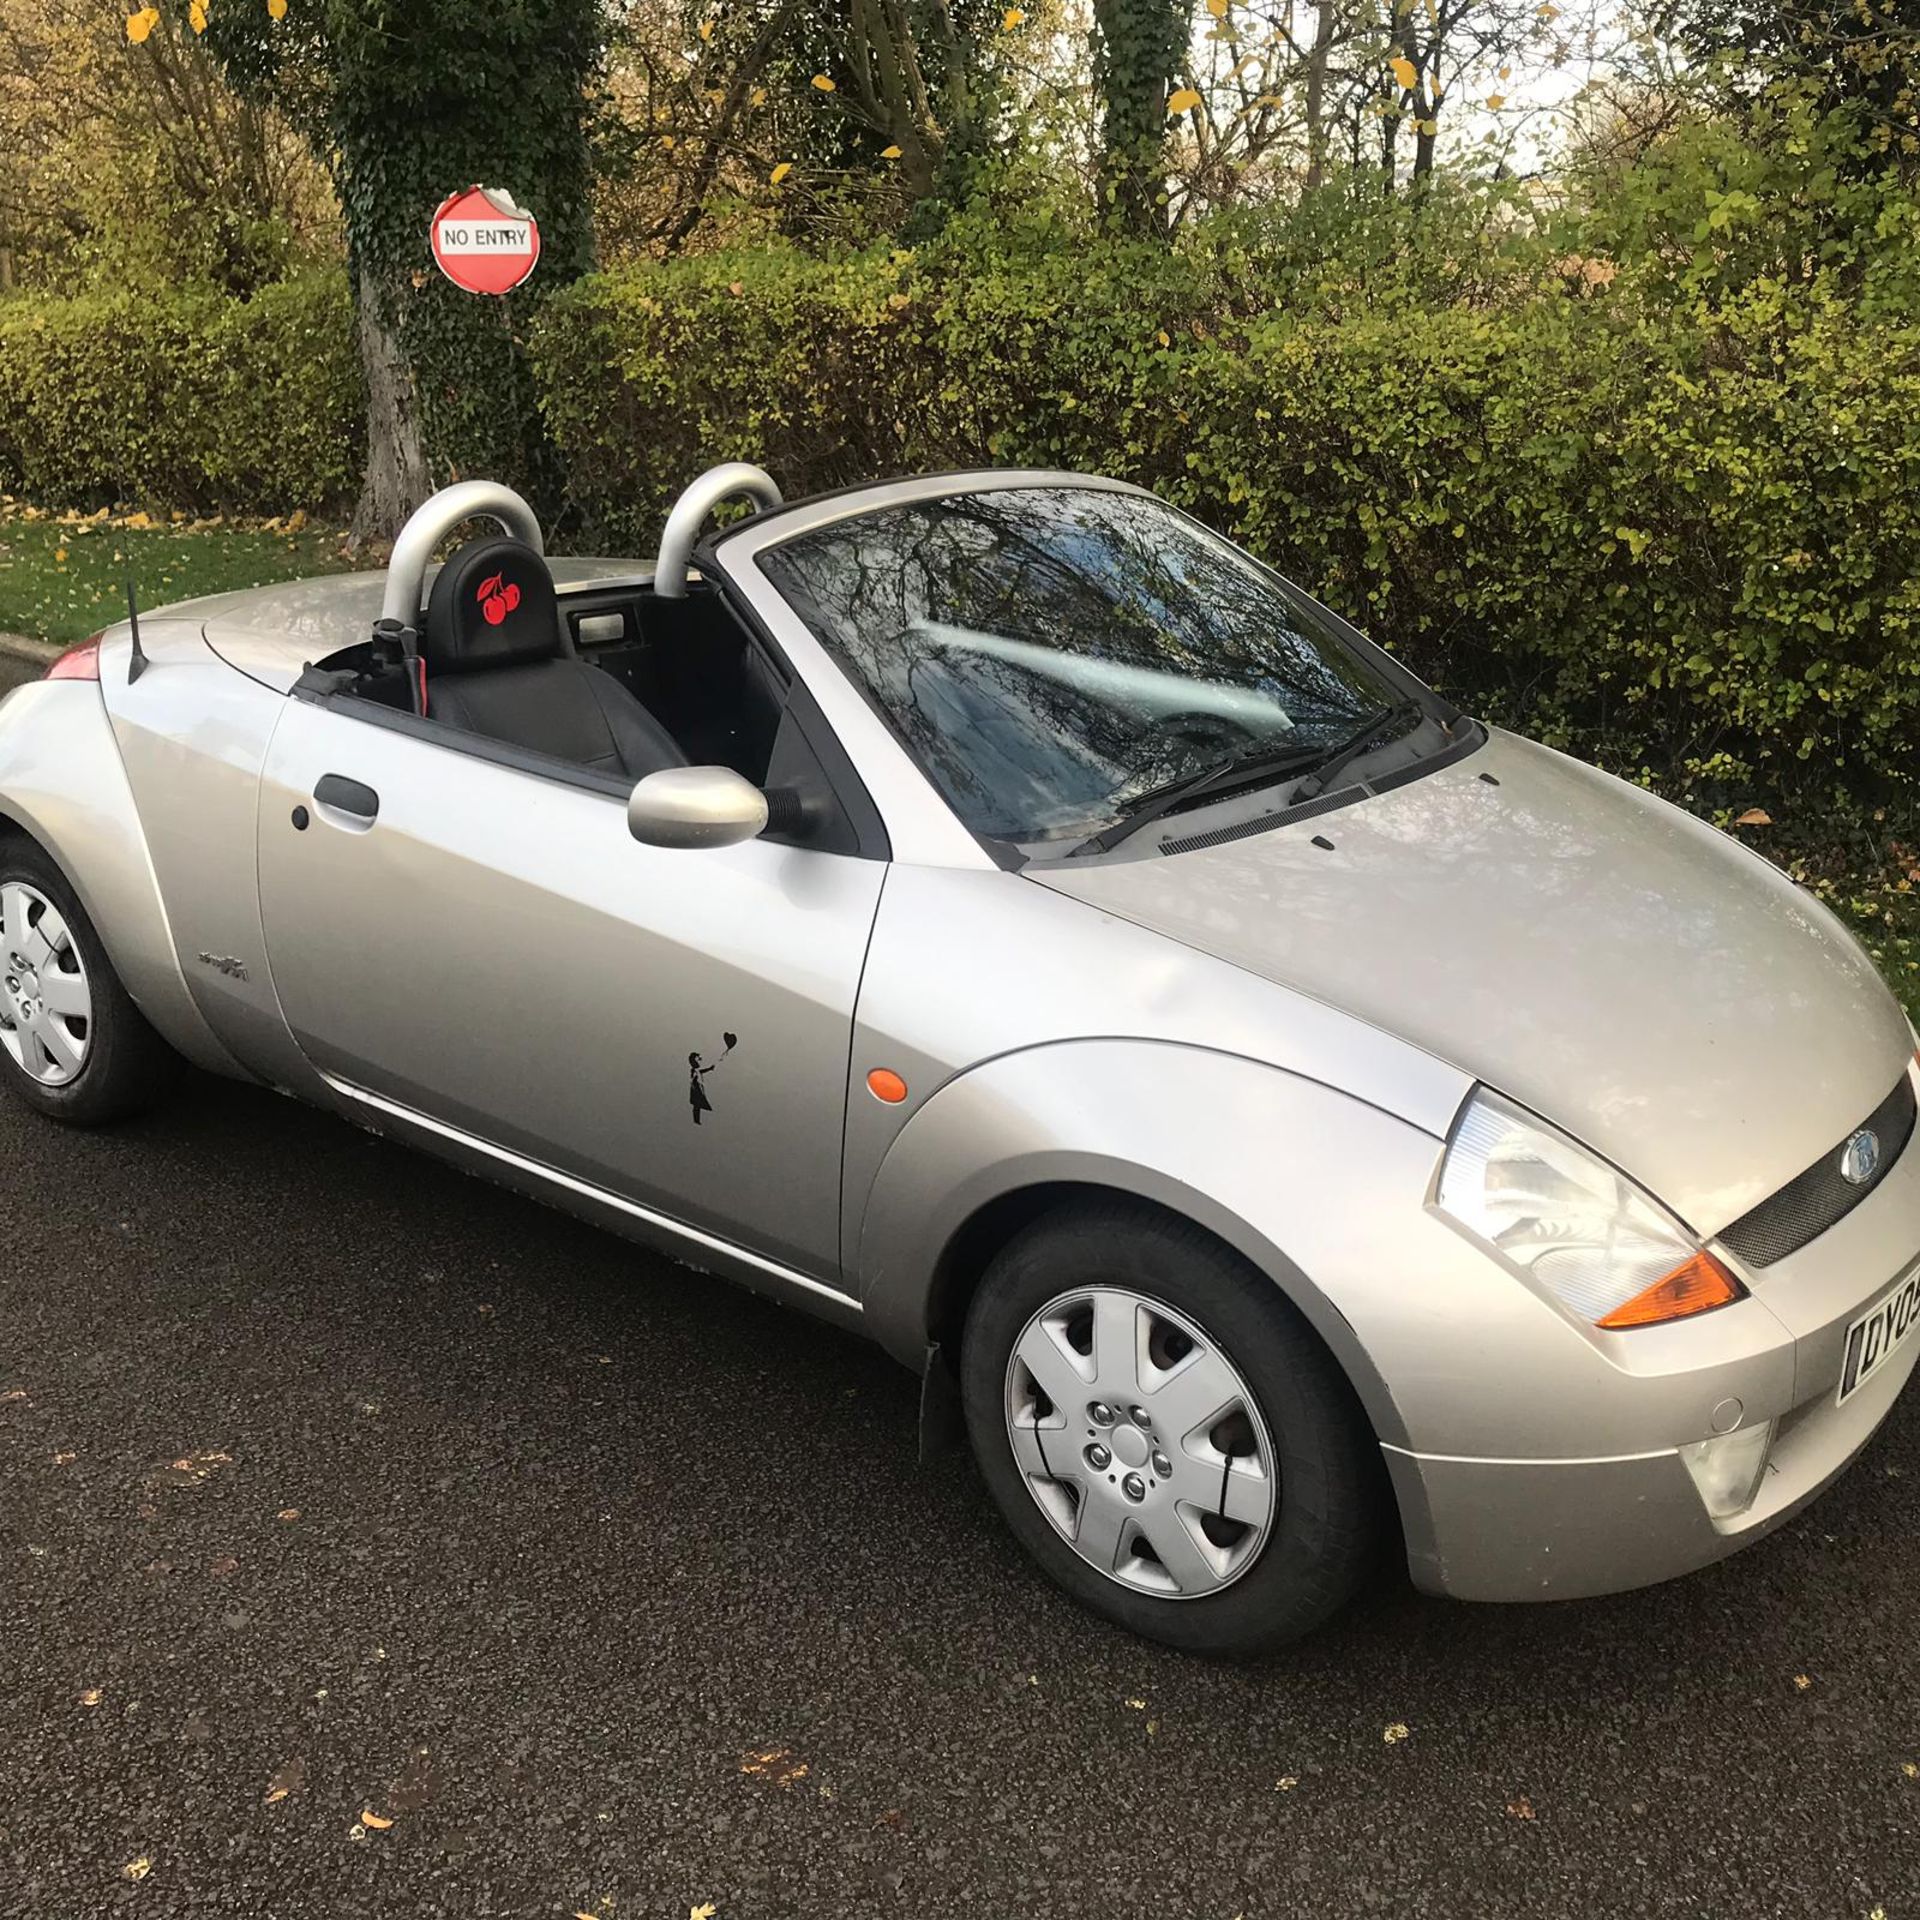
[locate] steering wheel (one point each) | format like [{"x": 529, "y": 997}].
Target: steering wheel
[
  {"x": 690, "y": 513},
  {"x": 1208, "y": 736}
]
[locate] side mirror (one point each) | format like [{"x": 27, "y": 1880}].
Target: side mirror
[{"x": 696, "y": 807}]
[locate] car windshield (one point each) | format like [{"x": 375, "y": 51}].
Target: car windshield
[{"x": 1056, "y": 655}]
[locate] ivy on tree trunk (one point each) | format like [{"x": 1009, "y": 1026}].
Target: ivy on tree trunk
[
  {"x": 413, "y": 100},
  {"x": 1138, "y": 49}
]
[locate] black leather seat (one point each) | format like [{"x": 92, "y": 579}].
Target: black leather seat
[{"x": 498, "y": 664}]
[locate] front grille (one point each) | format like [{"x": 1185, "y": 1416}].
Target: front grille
[{"x": 1813, "y": 1201}]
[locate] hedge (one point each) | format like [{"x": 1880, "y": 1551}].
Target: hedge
[
  {"x": 1688, "y": 540},
  {"x": 183, "y": 399},
  {"x": 1685, "y": 539}
]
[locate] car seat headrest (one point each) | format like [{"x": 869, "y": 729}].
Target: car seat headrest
[{"x": 493, "y": 605}]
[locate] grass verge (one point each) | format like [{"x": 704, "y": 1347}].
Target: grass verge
[{"x": 63, "y": 577}]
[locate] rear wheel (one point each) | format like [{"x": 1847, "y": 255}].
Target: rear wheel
[
  {"x": 73, "y": 1046},
  {"x": 1165, "y": 1433}
]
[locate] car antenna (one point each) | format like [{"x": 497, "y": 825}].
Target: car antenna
[{"x": 138, "y": 664}]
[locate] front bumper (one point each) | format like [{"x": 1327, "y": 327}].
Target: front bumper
[
  {"x": 1567, "y": 1529},
  {"x": 1482, "y": 1525}
]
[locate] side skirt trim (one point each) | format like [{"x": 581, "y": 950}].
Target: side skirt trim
[{"x": 601, "y": 1196}]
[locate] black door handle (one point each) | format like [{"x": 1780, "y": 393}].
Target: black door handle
[{"x": 353, "y": 797}]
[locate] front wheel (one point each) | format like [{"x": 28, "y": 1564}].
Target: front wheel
[
  {"x": 73, "y": 1046},
  {"x": 1165, "y": 1433}
]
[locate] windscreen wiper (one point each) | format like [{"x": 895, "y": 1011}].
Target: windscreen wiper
[
  {"x": 1249, "y": 767},
  {"x": 1362, "y": 739}
]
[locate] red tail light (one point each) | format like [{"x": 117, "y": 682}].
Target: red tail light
[{"x": 79, "y": 663}]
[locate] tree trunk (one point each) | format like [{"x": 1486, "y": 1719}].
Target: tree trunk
[
  {"x": 1423, "y": 148},
  {"x": 1138, "y": 49},
  {"x": 1319, "y": 58},
  {"x": 396, "y": 479}
]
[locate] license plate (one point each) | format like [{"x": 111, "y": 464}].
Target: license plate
[{"x": 1875, "y": 1336}]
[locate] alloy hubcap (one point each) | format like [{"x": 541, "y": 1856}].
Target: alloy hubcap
[
  {"x": 46, "y": 1005},
  {"x": 1140, "y": 1442}
]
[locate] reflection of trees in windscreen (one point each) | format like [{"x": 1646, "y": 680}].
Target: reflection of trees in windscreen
[
  {"x": 1094, "y": 576},
  {"x": 1113, "y": 577}
]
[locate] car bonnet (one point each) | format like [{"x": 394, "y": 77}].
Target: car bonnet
[{"x": 1602, "y": 957}]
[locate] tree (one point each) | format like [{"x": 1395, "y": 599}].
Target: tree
[
  {"x": 413, "y": 100},
  {"x": 1139, "y": 48},
  {"x": 1858, "y": 60},
  {"x": 892, "y": 101},
  {"x": 124, "y": 155}
]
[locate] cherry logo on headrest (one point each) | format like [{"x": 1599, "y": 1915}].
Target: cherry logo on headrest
[{"x": 498, "y": 597}]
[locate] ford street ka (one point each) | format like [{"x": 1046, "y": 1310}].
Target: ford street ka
[{"x": 1279, "y": 1115}]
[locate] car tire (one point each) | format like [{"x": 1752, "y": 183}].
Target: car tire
[
  {"x": 125, "y": 1067},
  {"x": 1325, "y": 1502}
]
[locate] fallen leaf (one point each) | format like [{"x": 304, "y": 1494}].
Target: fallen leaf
[
  {"x": 137, "y": 1869},
  {"x": 1395, "y": 1733},
  {"x": 288, "y": 1513},
  {"x": 225, "y": 1565},
  {"x": 65, "y": 1459},
  {"x": 777, "y": 1764},
  {"x": 1286, "y": 1783},
  {"x": 779, "y": 173},
  {"x": 276, "y": 9},
  {"x": 60, "y": 555},
  {"x": 372, "y": 1821},
  {"x": 1012, "y": 18},
  {"x": 736, "y": 288},
  {"x": 287, "y": 1781},
  {"x": 1803, "y": 1681},
  {"x": 1520, "y": 1808},
  {"x": 1139, "y": 1706},
  {"x": 704, "y": 1911},
  {"x": 1754, "y": 817},
  {"x": 889, "y": 153},
  {"x": 91, "y": 1697},
  {"x": 1910, "y": 1770},
  {"x": 12, "y": 1396},
  {"x": 891, "y": 1818},
  {"x": 193, "y": 1469}
]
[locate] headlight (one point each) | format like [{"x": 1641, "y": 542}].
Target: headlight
[{"x": 1593, "y": 1239}]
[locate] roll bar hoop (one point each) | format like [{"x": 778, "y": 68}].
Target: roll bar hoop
[
  {"x": 689, "y": 515},
  {"x": 432, "y": 522}
]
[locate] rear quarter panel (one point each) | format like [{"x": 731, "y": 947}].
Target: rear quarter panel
[{"x": 62, "y": 780}]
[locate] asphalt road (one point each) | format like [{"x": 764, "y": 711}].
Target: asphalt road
[{"x": 333, "y": 1483}]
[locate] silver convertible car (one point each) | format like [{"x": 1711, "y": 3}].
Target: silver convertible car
[{"x": 1279, "y": 1115}]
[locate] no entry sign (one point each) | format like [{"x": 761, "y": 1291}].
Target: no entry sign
[{"x": 483, "y": 241}]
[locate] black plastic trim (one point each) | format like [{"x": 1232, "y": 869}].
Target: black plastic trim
[{"x": 1819, "y": 1197}]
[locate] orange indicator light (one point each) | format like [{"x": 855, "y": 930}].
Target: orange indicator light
[
  {"x": 1695, "y": 1286},
  {"x": 886, "y": 1085}
]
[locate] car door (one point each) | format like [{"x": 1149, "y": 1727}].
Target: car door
[{"x": 482, "y": 941}]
